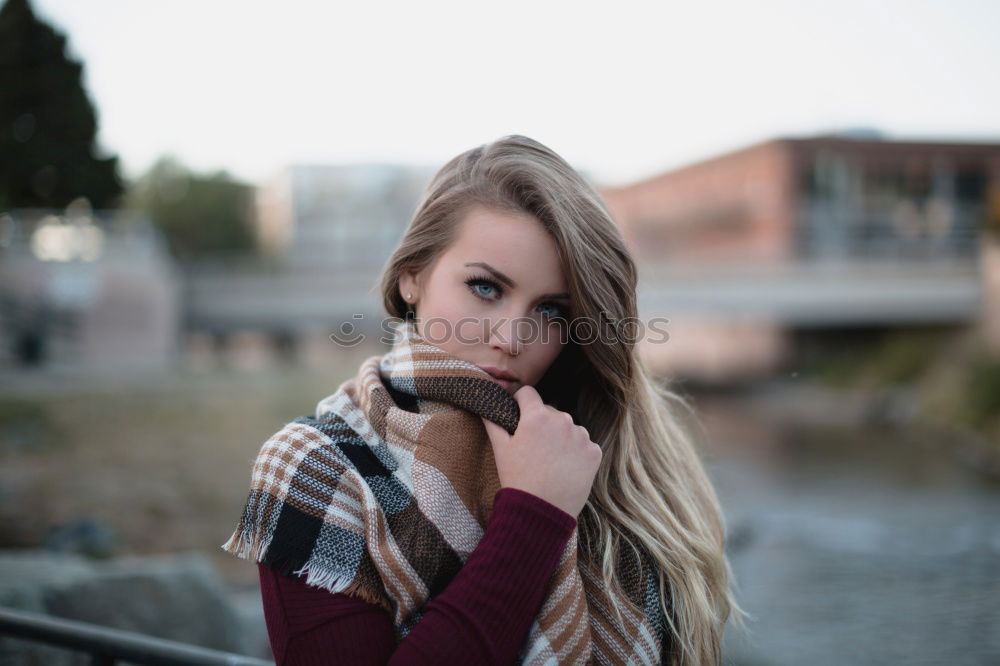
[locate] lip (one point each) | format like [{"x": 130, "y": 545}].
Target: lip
[{"x": 497, "y": 373}]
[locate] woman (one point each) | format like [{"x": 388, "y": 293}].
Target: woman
[{"x": 584, "y": 529}]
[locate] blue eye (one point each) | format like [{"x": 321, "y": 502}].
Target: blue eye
[
  {"x": 476, "y": 283},
  {"x": 488, "y": 290},
  {"x": 479, "y": 287},
  {"x": 556, "y": 310}
]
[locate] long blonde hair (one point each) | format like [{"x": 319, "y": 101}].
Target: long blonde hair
[{"x": 651, "y": 493}]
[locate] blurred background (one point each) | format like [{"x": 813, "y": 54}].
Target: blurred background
[{"x": 194, "y": 196}]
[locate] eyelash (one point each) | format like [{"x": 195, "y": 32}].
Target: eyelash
[{"x": 473, "y": 282}]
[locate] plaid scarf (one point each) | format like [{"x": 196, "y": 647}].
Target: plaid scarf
[{"x": 386, "y": 491}]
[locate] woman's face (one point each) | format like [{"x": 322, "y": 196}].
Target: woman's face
[{"x": 494, "y": 296}]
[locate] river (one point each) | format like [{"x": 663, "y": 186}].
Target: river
[{"x": 852, "y": 544}]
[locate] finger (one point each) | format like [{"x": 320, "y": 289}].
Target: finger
[
  {"x": 497, "y": 434},
  {"x": 527, "y": 396}
]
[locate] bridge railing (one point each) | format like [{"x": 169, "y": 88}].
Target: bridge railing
[{"x": 107, "y": 646}]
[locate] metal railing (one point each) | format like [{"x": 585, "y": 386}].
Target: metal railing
[{"x": 107, "y": 646}]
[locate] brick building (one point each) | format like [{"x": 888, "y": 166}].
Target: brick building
[{"x": 755, "y": 220}]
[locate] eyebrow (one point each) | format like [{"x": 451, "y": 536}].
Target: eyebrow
[{"x": 510, "y": 283}]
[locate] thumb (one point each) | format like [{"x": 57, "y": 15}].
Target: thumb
[
  {"x": 527, "y": 397},
  {"x": 496, "y": 433}
]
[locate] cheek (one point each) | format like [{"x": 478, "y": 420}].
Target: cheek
[
  {"x": 544, "y": 356},
  {"x": 450, "y": 323},
  {"x": 453, "y": 302}
]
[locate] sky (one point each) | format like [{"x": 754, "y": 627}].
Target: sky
[{"x": 622, "y": 90}]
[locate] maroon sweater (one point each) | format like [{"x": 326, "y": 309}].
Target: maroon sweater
[{"x": 482, "y": 617}]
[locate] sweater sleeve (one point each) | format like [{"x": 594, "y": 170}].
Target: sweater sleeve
[{"x": 482, "y": 616}]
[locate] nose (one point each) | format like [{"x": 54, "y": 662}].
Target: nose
[{"x": 502, "y": 334}]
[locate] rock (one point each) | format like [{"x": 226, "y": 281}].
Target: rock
[
  {"x": 178, "y": 597},
  {"x": 86, "y": 536},
  {"x": 892, "y": 406}
]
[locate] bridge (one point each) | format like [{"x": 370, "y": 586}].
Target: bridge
[
  {"x": 817, "y": 293},
  {"x": 790, "y": 294}
]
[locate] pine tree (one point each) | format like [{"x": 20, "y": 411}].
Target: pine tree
[{"x": 48, "y": 125}]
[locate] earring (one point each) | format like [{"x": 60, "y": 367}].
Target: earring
[{"x": 409, "y": 295}]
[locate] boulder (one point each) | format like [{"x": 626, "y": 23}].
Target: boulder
[{"x": 178, "y": 597}]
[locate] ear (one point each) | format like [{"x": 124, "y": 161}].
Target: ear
[{"x": 409, "y": 284}]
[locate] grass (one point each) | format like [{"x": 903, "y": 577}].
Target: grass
[
  {"x": 956, "y": 380},
  {"x": 904, "y": 355},
  {"x": 164, "y": 467},
  {"x": 982, "y": 390},
  {"x": 874, "y": 359}
]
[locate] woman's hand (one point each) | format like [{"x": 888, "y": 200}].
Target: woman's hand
[{"x": 548, "y": 455}]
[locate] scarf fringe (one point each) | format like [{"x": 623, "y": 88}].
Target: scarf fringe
[
  {"x": 336, "y": 582},
  {"x": 247, "y": 544}
]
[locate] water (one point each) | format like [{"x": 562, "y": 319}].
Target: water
[{"x": 854, "y": 545}]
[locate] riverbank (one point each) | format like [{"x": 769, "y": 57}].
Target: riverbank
[
  {"x": 889, "y": 408},
  {"x": 938, "y": 384}
]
